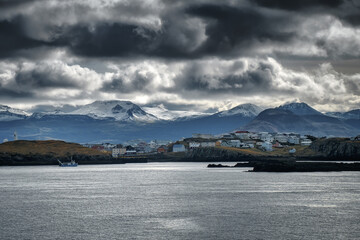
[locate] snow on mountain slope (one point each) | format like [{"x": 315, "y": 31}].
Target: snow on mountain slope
[
  {"x": 119, "y": 110},
  {"x": 9, "y": 114},
  {"x": 299, "y": 109},
  {"x": 245, "y": 110},
  {"x": 164, "y": 114}
]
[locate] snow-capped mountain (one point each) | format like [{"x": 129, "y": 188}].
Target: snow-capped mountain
[
  {"x": 118, "y": 110},
  {"x": 118, "y": 121},
  {"x": 299, "y": 109},
  {"x": 245, "y": 110},
  {"x": 164, "y": 114},
  {"x": 9, "y": 114}
]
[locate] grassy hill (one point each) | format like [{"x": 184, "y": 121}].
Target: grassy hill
[{"x": 50, "y": 147}]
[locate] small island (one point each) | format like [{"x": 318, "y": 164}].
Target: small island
[{"x": 293, "y": 166}]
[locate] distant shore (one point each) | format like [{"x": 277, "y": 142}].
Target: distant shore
[{"x": 21, "y": 153}]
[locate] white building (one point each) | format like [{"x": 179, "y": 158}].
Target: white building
[
  {"x": 254, "y": 136},
  {"x": 305, "y": 142},
  {"x": 281, "y": 138},
  {"x": 267, "y": 146},
  {"x": 294, "y": 140},
  {"x": 194, "y": 145},
  {"x": 266, "y": 137}
]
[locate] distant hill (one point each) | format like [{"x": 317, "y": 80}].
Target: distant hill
[
  {"x": 50, "y": 147},
  {"x": 353, "y": 114},
  {"x": 300, "y": 109},
  {"x": 300, "y": 118}
]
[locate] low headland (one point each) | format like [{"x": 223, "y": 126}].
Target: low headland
[{"x": 307, "y": 158}]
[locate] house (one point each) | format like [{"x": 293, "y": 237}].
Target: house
[
  {"x": 243, "y": 134},
  {"x": 266, "y": 137},
  {"x": 294, "y": 140},
  {"x": 278, "y": 145},
  {"x": 116, "y": 152},
  {"x": 248, "y": 145},
  {"x": 305, "y": 142},
  {"x": 130, "y": 152},
  {"x": 254, "y": 136},
  {"x": 162, "y": 149},
  {"x": 267, "y": 146},
  {"x": 281, "y": 138},
  {"x": 178, "y": 148},
  {"x": 194, "y": 145}
]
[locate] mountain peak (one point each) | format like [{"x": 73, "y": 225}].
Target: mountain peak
[
  {"x": 299, "y": 108},
  {"x": 9, "y": 114},
  {"x": 116, "y": 109},
  {"x": 246, "y": 110}
]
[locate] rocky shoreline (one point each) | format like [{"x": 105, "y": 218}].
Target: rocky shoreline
[{"x": 293, "y": 166}]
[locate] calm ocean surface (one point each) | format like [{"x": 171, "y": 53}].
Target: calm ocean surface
[{"x": 176, "y": 201}]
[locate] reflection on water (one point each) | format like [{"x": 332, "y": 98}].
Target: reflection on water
[{"x": 176, "y": 201}]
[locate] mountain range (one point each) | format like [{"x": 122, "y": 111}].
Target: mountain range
[{"x": 118, "y": 121}]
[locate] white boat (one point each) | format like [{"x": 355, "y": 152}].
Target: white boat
[{"x": 72, "y": 163}]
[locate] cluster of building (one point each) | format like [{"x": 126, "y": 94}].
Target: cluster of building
[
  {"x": 245, "y": 139},
  {"x": 132, "y": 147},
  {"x": 239, "y": 139}
]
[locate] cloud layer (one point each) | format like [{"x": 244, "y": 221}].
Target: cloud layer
[{"x": 201, "y": 54}]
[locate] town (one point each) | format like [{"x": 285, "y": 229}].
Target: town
[{"x": 263, "y": 141}]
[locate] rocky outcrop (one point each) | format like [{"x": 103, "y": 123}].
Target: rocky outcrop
[
  {"x": 15, "y": 159},
  {"x": 337, "y": 148},
  {"x": 292, "y": 166}
]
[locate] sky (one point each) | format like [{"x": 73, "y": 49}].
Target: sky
[{"x": 199, "y": 55}]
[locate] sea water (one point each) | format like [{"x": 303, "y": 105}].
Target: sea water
[{"x": 176, "y": 201}]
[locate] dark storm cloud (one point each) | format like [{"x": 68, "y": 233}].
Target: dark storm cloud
[
  {"x": 299, "y": 5},
  {"x": 44, "y": 78},
  {"x": 107, "y": 39},
  {"x": 347, "y": 10},
  {"x": 230, "y": 28},
  {"x": 6, "y": 93},
  {"x": 137, "y": 83},
  {"x": 13, "y": 38},
  {"x": 14, "y": 3},
  {"x": 259, "y": 79},
  {"x": 227, "y": 29},
  {"x": 187, "y": 31},
  {"x": 127, "y": 40}
]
